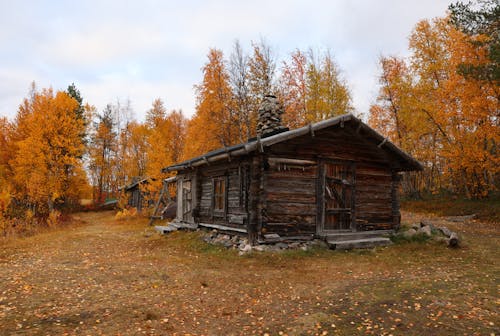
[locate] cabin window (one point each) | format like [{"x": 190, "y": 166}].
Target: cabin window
[{"x": 219, "y": 195}]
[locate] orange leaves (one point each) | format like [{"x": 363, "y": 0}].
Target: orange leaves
[
  {"x": 443, "y": 118},
  {"x": 214, "y": 124},
  {"x": 165, "y": 144},
  {"x": 312, "y": 89},
  {"x": 293, "y": 85},
  {"x": 48, "y": 150}
]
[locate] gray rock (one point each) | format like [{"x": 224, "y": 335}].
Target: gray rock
[
  {"x": 272, "y": 236},
  {"x": 260, "y": 248},
  {"x": 247, "y": 248},
  {"x": 410, "y": 233},
  {"x": 319, "y": 243},
  {"x": 281, "y": 246},
  {"x": 426, "y": 230}
]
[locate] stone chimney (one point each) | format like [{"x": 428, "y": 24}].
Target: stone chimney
[{"x": 270, "y": 112}]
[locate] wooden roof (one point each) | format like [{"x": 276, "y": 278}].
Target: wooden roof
[{"x": 407, "y": 162}]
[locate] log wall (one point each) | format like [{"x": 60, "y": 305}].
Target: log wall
[
  {"x": 290, "y": 199},
  {"x": 376, "y": 205},
  {"x": 235, "y": 177}
]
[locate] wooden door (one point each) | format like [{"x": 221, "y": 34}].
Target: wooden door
[
  {"x": 337, "y": 197},
  {"x": 186, "y": 201}
]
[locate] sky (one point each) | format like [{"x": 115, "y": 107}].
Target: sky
[{"x": 119, "y": 50}]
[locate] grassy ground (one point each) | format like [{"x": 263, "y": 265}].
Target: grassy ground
[
  {"x": 485, "y": 209},
  {"x": 117, "y": 278}
]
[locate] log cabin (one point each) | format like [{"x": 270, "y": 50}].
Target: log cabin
[{"x": 336, "y": 179}]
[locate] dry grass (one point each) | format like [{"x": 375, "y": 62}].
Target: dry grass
[
  {"x": 486, "y": 210},
  {"x": 117, "y": 278}
]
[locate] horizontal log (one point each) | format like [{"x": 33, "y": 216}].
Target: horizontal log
[
  {"x": 275, "y": 160},
  {"x": 286, "y": 229},
  {"x": 366, "y": 188},
  {"x": 379, "y": 179},
  {"x": 308, "y": 197},
  {"x": 373, "y": 171},
  {"x": 291, "y": 208},
  {"x": 292, "y": 173},
  {"x": 293, "y": 183},
  {"x": 362, "y": 198},
  {"x": 447, "y": 232},
  {"x": 308, "y": 220}
]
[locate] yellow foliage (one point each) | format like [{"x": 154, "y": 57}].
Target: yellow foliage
[
  {"x": 5, "y": 199},
  {"x": 53, "y": 218},
  {"x": 49, "y": 149},
  {"x": 447, "y": 121},
  {"x": 126, "y": 214},
  {"x": 29, "y": 215},
  {"x": 214, "y": 125}
]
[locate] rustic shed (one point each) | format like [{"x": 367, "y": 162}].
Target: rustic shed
[
  {"x": 336, "y": 179},
  {"x": 136, "y": 197}
]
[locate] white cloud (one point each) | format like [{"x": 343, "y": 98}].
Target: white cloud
[
  {"x": 115, "y": 86},
  {"x": 148, "y": 49}
]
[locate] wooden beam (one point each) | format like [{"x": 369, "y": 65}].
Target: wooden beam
[{"x": 273, "y": 160}]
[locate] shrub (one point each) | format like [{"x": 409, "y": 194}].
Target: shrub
[{"x": 126, "y": 214}]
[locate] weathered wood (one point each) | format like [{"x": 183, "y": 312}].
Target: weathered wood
[
  {"x": 254, "y": 208},
  {"x": 237, "y": 218},
  {"x": 287, "y": 218},
  {"x": 223, "y": 227},
  {"x": 279, "y": 182},
  {"x": 453, "y": 240},
  {"x": 291, "y": 208},
  {"x": 283, "y": 196},
  {"x": 447, "y": 232},
  {"x": 276, "y": 160}
]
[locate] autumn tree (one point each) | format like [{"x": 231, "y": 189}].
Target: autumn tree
[
  {"x": 479, "y": 21},
  {"x": 156, "y": 114},
  {"x": 165, "y": 139},
  {"x": 312, "y": 89},
  {"x": 293, "y": 89},
  {"x": 327, "y": 92},
  {"x": 447, "y": 119},
  {"x": 102, "y": 154},
  {"x": 239, "y": 79},
  {"x": 6, "y": 150},
  {"x": 47, "y": 166},
  {"x": 214, "y": 124}
]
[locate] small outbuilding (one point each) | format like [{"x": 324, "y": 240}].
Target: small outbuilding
[
  {"x": 136, "y": 196},
  {"x": 336, "y": 179}
]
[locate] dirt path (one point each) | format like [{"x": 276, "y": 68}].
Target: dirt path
[{"x": 112, "y": 278}]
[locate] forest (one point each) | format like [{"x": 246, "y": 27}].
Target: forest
[{"x": 440, "y": 104}]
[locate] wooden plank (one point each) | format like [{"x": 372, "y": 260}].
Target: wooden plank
[
  {"x": 292, "y": 173},
  {"x": 295, "y": 197},
  {"x": 291, "y": 208},
  {"x": 292, "y": 184},
  {"x": 224, "y": 227},
  {"x": 287, "y": 218}
]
